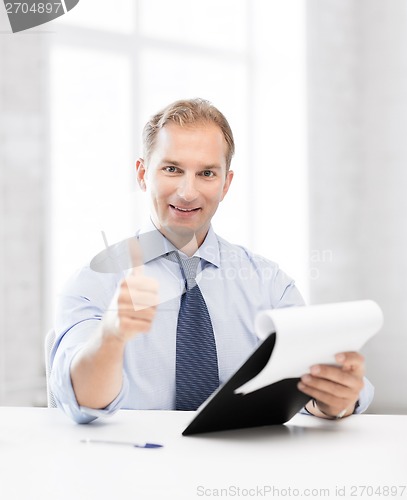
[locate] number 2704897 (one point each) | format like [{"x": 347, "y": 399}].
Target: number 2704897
[{"x": 35, "y": 8}]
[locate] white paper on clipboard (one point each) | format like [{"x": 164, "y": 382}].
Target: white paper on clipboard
[{"x": 311, "y": 335}]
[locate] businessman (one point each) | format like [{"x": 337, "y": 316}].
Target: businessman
[{"x": 167, "y": 334}]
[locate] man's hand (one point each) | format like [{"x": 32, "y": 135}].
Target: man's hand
[
  {"x": 335, "y": 389},
  {"x": 134, "y": 305}
]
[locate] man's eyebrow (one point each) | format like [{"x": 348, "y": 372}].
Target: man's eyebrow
[{"x": 171, "y": 162}]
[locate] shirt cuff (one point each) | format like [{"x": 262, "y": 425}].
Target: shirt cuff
[
  {"x": 61, "y": 387},
  {"x": 365, "y": 397}
]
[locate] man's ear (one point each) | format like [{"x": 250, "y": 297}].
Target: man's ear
[
  {"x": 228, "y": 180},
  {"x": 141, "y": 174}
]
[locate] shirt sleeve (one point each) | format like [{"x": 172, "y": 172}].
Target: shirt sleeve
[
  {"x": 284, "y": 292},
  {"x": 79, "y": 313}
]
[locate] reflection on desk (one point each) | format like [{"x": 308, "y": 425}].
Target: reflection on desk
[{"x": 42, "y": 456}]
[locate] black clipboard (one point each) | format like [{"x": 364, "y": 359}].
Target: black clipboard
[{"x": 274, "y": 404}]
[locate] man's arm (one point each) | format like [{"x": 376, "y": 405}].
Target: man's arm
[
  {"x": 334, "y": 389},
  {"x": 97, "y": 369}
]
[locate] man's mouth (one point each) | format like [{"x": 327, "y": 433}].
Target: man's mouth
[{"x": 184, "y": 210}]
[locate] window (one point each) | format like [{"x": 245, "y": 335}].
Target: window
[{"x": 112, "y": 64}]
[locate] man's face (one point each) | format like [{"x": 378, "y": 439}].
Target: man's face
[{"x": 186, "y": 179}]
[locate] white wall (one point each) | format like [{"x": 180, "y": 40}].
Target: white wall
[
  {"x": 357, "y": 81},
  {"x": 23, "y": 170}
]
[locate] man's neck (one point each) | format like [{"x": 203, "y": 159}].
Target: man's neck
[
  {"x": 187, "y": 243},
  {"x": 188, "y": 248}
]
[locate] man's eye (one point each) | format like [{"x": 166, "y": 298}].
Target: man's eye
[
  {"x": 171, "y": 170},
  {"x": 208, "y": 173}
]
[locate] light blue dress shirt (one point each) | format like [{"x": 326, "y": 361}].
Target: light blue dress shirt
[{"x": 235, "y": 283}]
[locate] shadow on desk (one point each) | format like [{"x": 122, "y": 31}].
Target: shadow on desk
[{"x": 273, "y": 433}]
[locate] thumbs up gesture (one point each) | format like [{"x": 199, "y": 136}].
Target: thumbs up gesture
[{"x": 134, "y": 305}]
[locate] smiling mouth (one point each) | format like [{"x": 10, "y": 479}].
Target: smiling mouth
[{"x": 184, "y": 210}]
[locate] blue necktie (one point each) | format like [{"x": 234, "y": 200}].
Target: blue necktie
[{"x": 196, "y": 359}]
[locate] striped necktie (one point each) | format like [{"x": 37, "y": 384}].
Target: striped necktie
[{"x": 196, "y": 359}]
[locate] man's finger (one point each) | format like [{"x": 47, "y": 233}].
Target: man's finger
[
  {"x": 351, "y": 362},
  {"x": 136, "y": 257}
]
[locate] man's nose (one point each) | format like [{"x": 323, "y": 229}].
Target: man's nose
[{"x": 187, "y": 189}]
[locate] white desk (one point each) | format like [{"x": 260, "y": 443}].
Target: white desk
[{"x": 41, "y": 457}]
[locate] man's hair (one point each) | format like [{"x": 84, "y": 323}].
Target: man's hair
[{"x": 187, "y": 113}]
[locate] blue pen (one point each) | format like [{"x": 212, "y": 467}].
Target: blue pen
[{"x": 123, "y": 443}]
